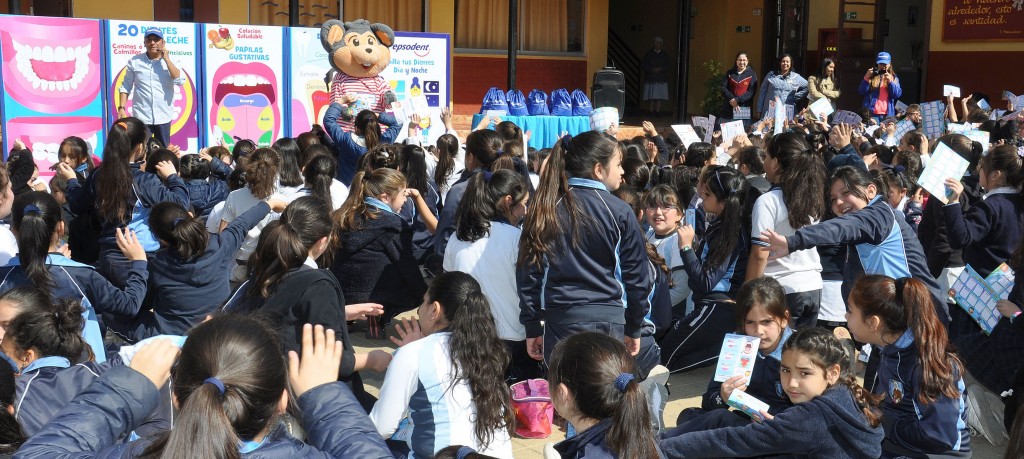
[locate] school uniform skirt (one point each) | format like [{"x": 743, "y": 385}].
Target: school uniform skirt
[{"x": 655, "y": 91}]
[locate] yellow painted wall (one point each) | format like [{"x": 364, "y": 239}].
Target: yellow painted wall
[
  {"x": 936, "y": 43},
  {"x": 106, "y": 9},
  {"x": 715, "y": 37},
  {"x": 596, "y": 38},
  {"x": 233, "y": 11}
]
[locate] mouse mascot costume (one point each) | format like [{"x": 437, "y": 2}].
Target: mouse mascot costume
[{"x": 359, "y": 52}]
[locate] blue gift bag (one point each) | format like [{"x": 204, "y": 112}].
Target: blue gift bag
[
  {"x": 494, "y": 100},
  {"x": 561, "y": 103},
  {"x": 537, "y": 103},
  {"x": 581, "y": 103},
  {"x": 516, "y": 103}
]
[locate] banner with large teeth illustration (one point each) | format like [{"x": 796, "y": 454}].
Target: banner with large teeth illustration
[
  {"x": 244, "y": 68},
  {"x": 51, "y": 80},
  {"x": 125, "y": 40}
]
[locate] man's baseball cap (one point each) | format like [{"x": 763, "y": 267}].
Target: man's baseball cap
[
  {"x": 883, "y": 58},
  {"x": 154, "y": 31}
]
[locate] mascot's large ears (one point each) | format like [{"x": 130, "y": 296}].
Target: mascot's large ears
[{"x": 333, "y": 32}]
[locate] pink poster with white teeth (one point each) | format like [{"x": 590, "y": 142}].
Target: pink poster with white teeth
[
  {"x": 244, "y": 85},
  {"x": 51, "y": 78},
  {"x": 125, "y": 40}
]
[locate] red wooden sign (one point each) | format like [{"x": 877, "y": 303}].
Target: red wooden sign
[{"x": 983, "y": 20}]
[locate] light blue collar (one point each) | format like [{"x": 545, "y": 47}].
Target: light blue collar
[
  {"x": 52, "y": 361},
  {"x": 246, "y": 447},
  {"x": 906, "y": 339},
  {"x": 875, "y": 199},
  {"x": 587, "y": 183},
  {"x": 380, "y": 205},
  {"x": 777, "y": 353}
]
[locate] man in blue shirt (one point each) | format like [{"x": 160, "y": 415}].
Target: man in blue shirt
[{"x": 153, "y": 76}]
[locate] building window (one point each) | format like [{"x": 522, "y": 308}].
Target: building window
[
  {"x": 545, "y": 26},
  {"x": 186, "y": 11}
]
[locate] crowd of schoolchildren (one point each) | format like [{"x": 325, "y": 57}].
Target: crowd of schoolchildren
[{"x": 164, "y": 304}]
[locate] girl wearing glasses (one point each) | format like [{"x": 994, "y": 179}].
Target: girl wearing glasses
[{"x": 715, "y": 267}]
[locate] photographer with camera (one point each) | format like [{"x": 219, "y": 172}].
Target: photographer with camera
[{"x": 881, "y": 88}]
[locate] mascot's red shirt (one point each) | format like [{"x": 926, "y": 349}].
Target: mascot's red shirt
[{"x": 369, "y": 92}]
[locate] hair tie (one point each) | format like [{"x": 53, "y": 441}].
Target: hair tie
[
  {"x": 463, "y": 452},
  {"x": 900, "y": 283},
  {"x": 499, "y": 153},
  {"x": 176, "y": 221},
  {"x": 487, "y": 176},
  {"x": 566, "y": 142},
  {"x": 622, "y": 381},
  {"x": 31, "y": 208},
  {"x": 216, "y": 383},
  {"x": 898, "y": 169},
  {"x": 123, "y": 124}
]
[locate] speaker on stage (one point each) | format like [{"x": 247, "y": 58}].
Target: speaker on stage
[{"x": 609, "y": 89}]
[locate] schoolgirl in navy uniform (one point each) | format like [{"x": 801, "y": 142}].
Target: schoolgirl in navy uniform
[
  {"x": 715, "y": 268},
  {"x": 583, "y": 262},
  {"x": 42, "y": 263},
  {"x": 123, "y": 195},
  {"x": 924, "y": 411}
]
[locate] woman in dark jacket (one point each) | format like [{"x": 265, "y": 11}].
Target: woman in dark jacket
[{"x": 738, "y": 88}]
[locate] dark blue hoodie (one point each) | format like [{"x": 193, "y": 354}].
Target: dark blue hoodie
[
  {"x": 345, "y": 146},
  {"x": 603, "y": 277},
  {"x": 989, "y": 231},
  {"x": 829, "y": 426},
  {"x": 204, "y": 194},
  {"x": 118, "y": 401},
  {"x": 183, "y": 292},
  {"x": 913, "y": 428},
  {"x": 589, "y": 444}
]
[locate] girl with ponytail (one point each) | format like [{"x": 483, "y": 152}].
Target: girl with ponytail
[
  {"x": 42, "y": 262},
  {"x": 486, "y": 247},
  {"x": 319, "y": 174},
  {"x": 797, "y": 174},
  {"x": 846, "y": 423},
  {"x": 449, "y": 164},
  {"x": 374, "y": 258},
  {"x": 231, "y": 386},
  {"x": 420, "y": 208},
  {"x": 448, "y": 375},
  {"x": 122, "y": 195},
  {"x": 287, "y": 288},
  {"x": 349, "y": 146},
  {"x": 714, "y": 269},
  {"x": 920, "y": 376},
  {"x": 484, "y": 152},
  {"x": 55, "y": 363},
  {"x": 187, "y": 275},
  {"x": 593, "y": 386},
  {"x": 583, "y": 262}
]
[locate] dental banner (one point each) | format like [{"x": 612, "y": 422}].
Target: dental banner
[
  {"x": 125, "y": 39},
  {"x": 51, "y": 77},
  {"x": 244, "y": 75},
  {"x": 419, "y": 74},
  {"x": 309, "y": 93}
]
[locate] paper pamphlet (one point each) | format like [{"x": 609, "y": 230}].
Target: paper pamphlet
[
  {"x": 933, "y": 118},
  {"x": 983, "y": 104},
  {"x": 730, "y": 130},
  {"x": 741, "y": 113},
  {"x": 950, "y": 90},
  {"x": 748, "y": 404},
  {"x": 846, "y": 117},
  {"x": 981, "y": 137},
  {"x": 902, "y": 128},
  {"x": 944, "y": 164},
  {"x": 900, "y": 106},
  {"x": 690, "y": 218},
  {"x": 821, "y": 108},
  {"x": 978, "y": 296},
  {"x": 780, "y": 116},
  {"x": 737, "y": 358},
  {"x": 686, "y": 134},
  {"x": 700, "y": 122},
  {"x": 722, "y": 157},
  {"x": 492, "y": 113},
  {"x": 709, "y": 131},
  {"x": 957, "y": 128}
]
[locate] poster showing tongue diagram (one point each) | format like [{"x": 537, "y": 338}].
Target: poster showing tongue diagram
[
  {"x": 126, "y": 40},
  {"x": 244, "y": 66},
  {"x": 51, "y": 79}
]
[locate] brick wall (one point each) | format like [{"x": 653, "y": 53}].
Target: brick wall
[{"x": 472, "y": 76}]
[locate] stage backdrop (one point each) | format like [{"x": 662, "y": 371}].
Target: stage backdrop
[
  {"x": 52, "y": 84},
  {"x": 244, "y": 77},
  {"x": 125, "y": 40}
]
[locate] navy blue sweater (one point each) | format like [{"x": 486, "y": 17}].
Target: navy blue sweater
[
  {"x": 764, "y": 383},
  {"x": 336, "y": 426},
  {"x": 988, "y": 232},
  {"x": 603, "y": 277},
  {"x": 345, "y": 145},
  {"x": 829, "y": 426},
  {"x": 722, "y": 282},
  {"x": 422, "y": 239},
  {"x": 205, "y": 194},
  {"x": 446, "y": 219},
  {"x": 883, "y": 244},
  {"x": 183, "y": 292},
  {"x": 913, "y": 428},
  {"x": 50, "y": 383},
  {"x": 147, "y": 191},
  {"x": 589, "y": 444},
  {"x": 375, "y": 263}
]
